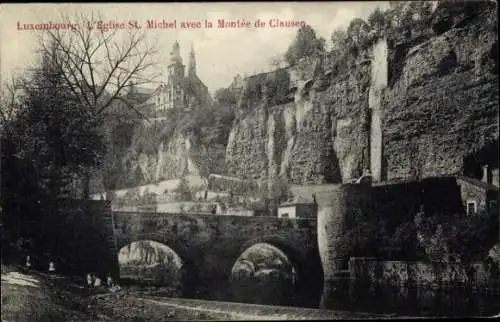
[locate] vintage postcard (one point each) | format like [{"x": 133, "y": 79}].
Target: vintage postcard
[{"x": 249, "y": 161}]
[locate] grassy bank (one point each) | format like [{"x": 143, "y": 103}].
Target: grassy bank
[{"x": 35, "y": 296}]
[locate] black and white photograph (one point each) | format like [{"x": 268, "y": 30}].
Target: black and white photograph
[{"x": 193, "y": 161}]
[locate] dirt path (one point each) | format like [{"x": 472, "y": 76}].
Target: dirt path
[
  {"x": 35, "y": 296},
  {"x": 141, "y": 307},
  {"x": 244, "y": 311}
]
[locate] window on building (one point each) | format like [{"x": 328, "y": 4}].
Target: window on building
[
  {"x": 493, "y": 205},
  {"x": 285, "y": 215},
  {"x": 471, "y": 207}
]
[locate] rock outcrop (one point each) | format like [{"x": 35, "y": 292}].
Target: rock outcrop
[
  {"x": 437, "y": 105},
  {"x": 154, "y": 156},
  {"x": 179, "y": 155},
  {"x": 319, "y": 137},
  {"x": 444, "y": 105}
]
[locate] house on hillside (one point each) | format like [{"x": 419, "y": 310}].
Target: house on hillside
[
  {"x": 180, "y": 91},
  {"x": 479, "y": 195},
  {"x": 298, "y": 208},
  {"x": 134, "y": 96}
]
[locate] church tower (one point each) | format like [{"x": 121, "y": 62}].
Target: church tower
[
  {"x": 175, "y": 67},
  {"x": 175, "y": 91},
  {"x": 192, "y": 63}
]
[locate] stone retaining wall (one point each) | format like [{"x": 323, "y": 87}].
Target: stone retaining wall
[{"x": 373, "y": 271}]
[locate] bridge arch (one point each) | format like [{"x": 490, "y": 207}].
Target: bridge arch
[
  {"x": 209, "y": 246},
  {"x": 147, "y": 260},
  {"x": 308, "y": 278},
  {"x": 293, "y": 252},
  {"x": 263, "y": 274},
  {"x": 189, "y": 268}
]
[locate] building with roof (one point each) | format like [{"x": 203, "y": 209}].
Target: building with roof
[
  {"x": 298, "y": 208},
  {"x": 180, "y": 91},
  {"x": 479, "y": 196}
]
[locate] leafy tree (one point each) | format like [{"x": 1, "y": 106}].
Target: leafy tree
[
  {"x": 358, "y": 33},
  {"x": 422, "y": 11},
  {"x": 276, "y": 87},
  {"x": 53, "y": 132},
  {"x": 225, "y": 97},
  {"x": 377, "y": 22},
  {"x": 306, "y": 44},
  {"x": 364, "y": 236},
  {"x": 403, "y": 242},
  {"x": 339, "y": 39},
  {"x": 446, "y": 238},
  {"x": 217, "y": 131},
  {"x": 46, "y": 143},
  {"x": 184, "y": 190}
]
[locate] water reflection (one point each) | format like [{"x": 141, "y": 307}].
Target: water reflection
[
  {"x": 263, "y": 275},
  {"x": 416, "y": 301}
]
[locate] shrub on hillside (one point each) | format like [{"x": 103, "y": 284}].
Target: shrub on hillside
[
  {"x": 184, "y": 190},
  {"x": 306, "y": 43}
]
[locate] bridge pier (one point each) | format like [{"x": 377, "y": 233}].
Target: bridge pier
[
  {"x": 207, "y": 279},
  {"x": 337, "y": 211}
]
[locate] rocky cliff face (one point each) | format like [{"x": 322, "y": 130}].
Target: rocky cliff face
[
  {"x": 318, "y": 137},
  {"x": 444, "y": 105},
  {"x": 179, "y": 155},
  {"x": 154, "y": 156},
  {"x": 440, "y": 107}
]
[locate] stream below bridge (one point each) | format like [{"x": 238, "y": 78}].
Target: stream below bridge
[{"x": 399, "y": 301}]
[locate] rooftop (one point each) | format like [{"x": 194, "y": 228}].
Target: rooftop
[
  {"x": 478, "y": 183},
  {"x": 298, "y": 200}
]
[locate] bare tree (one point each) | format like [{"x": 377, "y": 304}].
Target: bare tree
[
  {"x": 10, "y": 106},
  {"x": 99, "y": 65}
]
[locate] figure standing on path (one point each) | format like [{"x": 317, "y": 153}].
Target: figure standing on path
[
  {"x": 97, "y": 281},
  {"x": 109, "y": 281},
  {"x": 90, "y": 283},
  {"x": 52, "y": 267},
  {"x": 28, "y": 262}
]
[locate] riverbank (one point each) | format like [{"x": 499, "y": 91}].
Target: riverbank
[{"x": 35, "y": 296}]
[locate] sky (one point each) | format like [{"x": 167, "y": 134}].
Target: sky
[{"x": 221, "y": 53}]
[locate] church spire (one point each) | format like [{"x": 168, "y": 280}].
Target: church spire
[
  {"x": 192, "y": 63},
  {"x": 175, "y": 55}
]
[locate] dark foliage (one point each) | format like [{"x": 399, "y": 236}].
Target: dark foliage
[
  {"x": 435, "y": 238},
  {"x": 277, "y": 87},
  {"x": 306, "y": 44}
]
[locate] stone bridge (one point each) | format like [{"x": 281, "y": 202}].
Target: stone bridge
[
  {"x": 90, "y": 235},
  {"x": 209, "y": 245}
]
